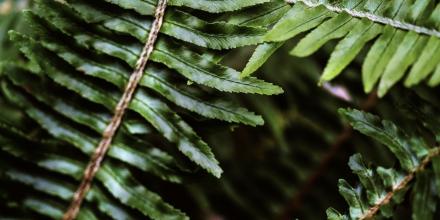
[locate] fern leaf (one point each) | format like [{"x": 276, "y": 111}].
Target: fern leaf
[
  {"x": 411, "y": 46},
  {"x": 381, "y": 188},
  {"x": 204, "y": 72},
  {"x": 217, "y": 6},
  {"x": 261, "y": 15},
  {"x": 349, "y": 47},
  {"x": 159, "y": 80},
  {"x": 147, "y": 7},
  {"x": 54, "y": 210},
  {"x": 298, "y": 19},
  {"x": 424, "y": 201},
  {"x": 156, "y": 161},
  {"x": 436, "y": 171},
  {"x": 260, "y": 55},
  {"x": 385, "y": 132},
  {"x": 404, "y": 35},
  {"x": 177, "y": 24},
  {"x": 77, "y": 59},
  {"x": 379, "y": 56},
  {"x": 69, "y": 167},
  {"x": 425, "y": 64},
  {"x": 117, "y": 179},
  {"x": 333, "y": 28}
]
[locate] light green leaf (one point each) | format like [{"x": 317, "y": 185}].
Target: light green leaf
[
  {"x": 411, "y": 45},
  {"x": 259, "y": 57},
  {"x": 426, "y": 63},
  {"x": 333, "y": 28},
  {"x": 379, "y": 56},
  {"x": 298, "y": 19},
  {"x": 349, "y": 47}
]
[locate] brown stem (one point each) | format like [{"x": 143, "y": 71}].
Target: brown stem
[
  {"x": 410, "y": 176},
  {"x": 112, "y": 127},
  {"x": 296, "y": 202}
]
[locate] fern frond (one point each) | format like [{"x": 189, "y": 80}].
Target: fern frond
[
  {"x": 79, "y": 58},
  {"x": 261, "y": 15},
  {"x": 404, "y": 36},
  {"x": 217, "y": 6},
  {"x": 381, "y": 188}
]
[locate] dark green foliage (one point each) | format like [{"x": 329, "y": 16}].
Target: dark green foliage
[
  {"x": 383, "y": 188},
  {"x": 79, "y": 59},
  {"x": 64, "y": 65}
]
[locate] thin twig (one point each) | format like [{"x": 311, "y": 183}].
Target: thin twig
[
  {"x": 372, "y": 17},
  {"x": 112, "y": 127},
  {"x": 410, "y": 176}
]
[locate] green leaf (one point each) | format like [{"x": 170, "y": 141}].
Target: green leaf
[
  {"x": 379, "y": 56},
  {"x": 205, "y": 73},
  {"x": 385, "y": 132},
  {"x": 400, "y": 31},
  {"x": 349, "y": 47},
  {"x": 435, "y": 78},
  {"x": 153, "y": 110},
  {"x": 411, "y": 45},
  {"x": 144, "y": 7},
  {"x": 54, "y": 210},
  {"x": 216, "y": 6},
  {"x": 298, "y": 19},
  {"x": 368, "y": 179},
  {"x": 259, "y": 57},
  {"x": 436, "y": 171},
  {"x": 155, "y": 78},
  {"x": 189, "y": 64},
  {"x": 353, "y": 197},
  {"x": 260, "y": 15},
  {"x": 118, "y": 181},
  {"x": 426, "y": 63},
  {"x": 177, "y": 24},
  {"x": 424, "y": 200},
  {"x": 333, "y": 28},
  {"x": 65, "y": 191},
  {"x": 152, "y": 160},
  {"x": 333, "y": 214},
  {"x": 390, "y": 177}
]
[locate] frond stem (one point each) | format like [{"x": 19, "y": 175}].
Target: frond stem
[
  {"x": 372, "y": 17},
  {"x": 407, "y": 179},
  {"x": 110, "y": 131}
]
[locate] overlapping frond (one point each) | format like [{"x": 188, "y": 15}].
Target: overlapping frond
[
  {"x": 79, "y": 56},
  {"x": 404, "y": 35},
  {"x": 380, "y": 188}
]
